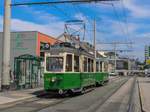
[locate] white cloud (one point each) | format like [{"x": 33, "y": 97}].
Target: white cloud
[
  {"x": 80, "y": 16},
  {"x": 137, "y": 10},
  {"x": 50, "y": 28},
  {"x": 42, "y": 15},
  {"x": 51, "y": 24},
  {"x": 124, "y": 30}
]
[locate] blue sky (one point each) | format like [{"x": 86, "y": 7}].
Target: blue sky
[{"x": 125, "y": 21}]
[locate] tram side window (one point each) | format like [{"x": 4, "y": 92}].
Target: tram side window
[
  {"x": 76, "y": 63},
  {"x": 54, "y": 64},
  {"x": 68, "y": 63},
  {"x": 105, "y": 67},
  {"x": 92, "y": 67},
  {"x": 101, "y": 66},
  {"x": 89, "y": 65},
  {"x": 85, "y": 64},
  {"x": 97, "y": 66}
]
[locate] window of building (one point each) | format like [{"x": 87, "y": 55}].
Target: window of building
[
  {"x": 42, "y": 54},
  {"x": 68, "y": 63},
  {"x": 76, "y": 63}
]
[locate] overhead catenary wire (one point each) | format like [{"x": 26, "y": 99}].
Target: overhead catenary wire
[
  {"x": 85, "y": 20},
  {"x": 125, "y": 19},
  {"x": 126, "y": 28},
  {"x": 119, "y": 22},
  {"x": 57, "y": 2},
  {"x": 64, "y": 13},
  {"x": 78, "y": 9}
]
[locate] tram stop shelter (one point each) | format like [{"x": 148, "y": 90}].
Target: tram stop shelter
[
  {"x": 25, "y": 42},
  {"x": 27, "y": 71}
]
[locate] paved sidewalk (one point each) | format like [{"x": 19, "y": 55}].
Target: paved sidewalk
[
  {"x": 144, "y": 84},
  {"x": 19, "y": 95}
]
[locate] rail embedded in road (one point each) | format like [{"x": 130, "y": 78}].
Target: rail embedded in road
[{"x": 48, "y": 103}]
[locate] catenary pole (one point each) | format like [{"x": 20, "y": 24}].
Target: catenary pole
[
  {"x": 6, "y": 46},
  {"x": 94, "y": 41},
  {"x": 115, "y": 67}
]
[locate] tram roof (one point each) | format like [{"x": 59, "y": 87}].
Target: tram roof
[{"x": 63, "y": 49}]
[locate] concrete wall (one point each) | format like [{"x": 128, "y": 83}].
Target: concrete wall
[{"x": 21, "y": 43}]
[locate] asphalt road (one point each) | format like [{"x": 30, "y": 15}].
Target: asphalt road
[{"x": 113, "y": 97}]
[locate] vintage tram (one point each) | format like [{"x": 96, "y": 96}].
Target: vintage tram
[{"x": 71, "y": 69}]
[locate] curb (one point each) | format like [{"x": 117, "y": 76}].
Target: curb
[
  {"x": 15, "y": 101},
  {"x": 141, "y": 97}
]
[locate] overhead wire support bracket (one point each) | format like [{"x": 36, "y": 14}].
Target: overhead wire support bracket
[{"x": 58, "y": 2}]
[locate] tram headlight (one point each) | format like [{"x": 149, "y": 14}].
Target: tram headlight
[{"x": 54, "y": 79}]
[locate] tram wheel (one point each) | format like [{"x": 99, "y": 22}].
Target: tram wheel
[
  {"x": 82, "y": 91},
  {"x": 102, "y": 83},
  {"x": 97, "y": 84}
]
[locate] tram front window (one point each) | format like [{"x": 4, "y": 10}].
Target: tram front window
[{"x": 54, "y": 64}]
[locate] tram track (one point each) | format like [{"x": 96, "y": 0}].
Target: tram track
[
  {"x": 83, "y": 103},
  {"x": 96, "y": 106},
  {"x": 46, "y": 100},
  {"x": 131, "y": 106},
  {"x": 118, "y": 103},
  {"x": 135, "y": 101},
  {"x": 140, "y": 98},
  {"x": 36, "y": 104}
]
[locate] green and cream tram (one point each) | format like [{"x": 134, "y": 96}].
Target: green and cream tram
[{"x": 70, "y": 69}]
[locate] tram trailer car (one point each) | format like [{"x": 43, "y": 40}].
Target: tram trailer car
[{"x": 72, "y": 70}]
